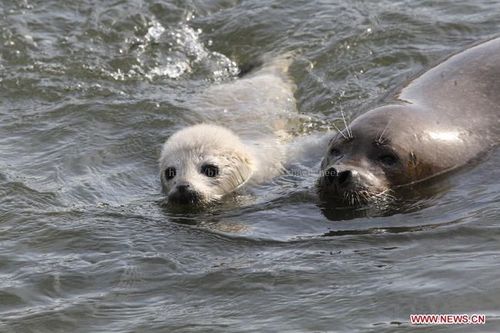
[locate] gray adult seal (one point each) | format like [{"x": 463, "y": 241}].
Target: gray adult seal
[{"x": 441, "y": 120}]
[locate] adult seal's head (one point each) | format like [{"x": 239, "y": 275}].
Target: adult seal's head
[
  {"x": 385, "y": 148},
  {"x": 440, "y": 121}
]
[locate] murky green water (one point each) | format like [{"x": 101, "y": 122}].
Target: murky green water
[{"x": 89, "y": 91}]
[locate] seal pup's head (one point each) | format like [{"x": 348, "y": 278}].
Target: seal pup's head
[
  {"x": 383, "y": 149},
  {"x": 201, "y": 163}
]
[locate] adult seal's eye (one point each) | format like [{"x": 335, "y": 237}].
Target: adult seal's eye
[
  {"x": 334, "y": 152},
  {"x": 210, "y": 170},
  {"x": 388, "y": 159},
  {"x": 170, "y": 173}
]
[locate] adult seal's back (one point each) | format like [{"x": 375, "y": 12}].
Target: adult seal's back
[{"x": 440, "y": 121}]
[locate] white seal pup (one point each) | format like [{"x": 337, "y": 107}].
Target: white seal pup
[{"x": 239, "y": 141}]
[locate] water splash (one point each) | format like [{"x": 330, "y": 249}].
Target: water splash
[
  {"x": 173, "y": 53},
  {"x": 154, "y": 32}
]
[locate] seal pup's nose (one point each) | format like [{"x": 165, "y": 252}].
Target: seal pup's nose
[
  {"x": 184, "y": 194},
  {"x": 182, "y": 188}
]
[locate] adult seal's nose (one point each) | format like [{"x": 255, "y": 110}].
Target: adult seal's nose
[
  {"x": 340, "y": 178},
  {"x": 330, "y": 175},
  {"x": 344, "y": 177}
]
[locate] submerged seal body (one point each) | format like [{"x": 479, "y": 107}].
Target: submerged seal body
[{"x": 439, "y": 121}]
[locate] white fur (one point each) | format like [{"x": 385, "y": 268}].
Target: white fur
[{"x": 257, "y": 108}]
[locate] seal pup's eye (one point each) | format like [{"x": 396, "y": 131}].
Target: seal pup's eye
[
  {"x": 388, "y": 159},
  {"x": 170, "y": 173},
  {"x": 210, "y": 170}
]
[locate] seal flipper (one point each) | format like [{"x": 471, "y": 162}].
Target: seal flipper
[
  {"x": 249, "y": 67},
  {"x": 269, "y": 64}
]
